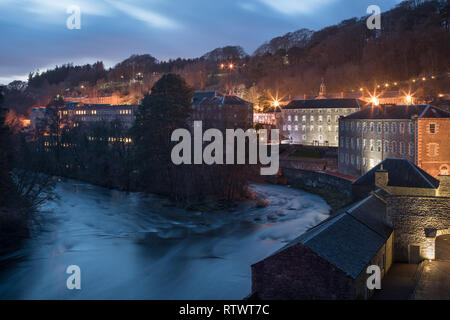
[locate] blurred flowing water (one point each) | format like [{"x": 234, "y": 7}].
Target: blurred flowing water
[{"x": 131, "y": 246}]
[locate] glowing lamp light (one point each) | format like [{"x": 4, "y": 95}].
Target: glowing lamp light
[
  {"x": 276, "y": 103},
  {"x": 361, "y": 89},
  {"x": 395, "y": 83},
  {"x": 408, "y": 99},
  {"x": 414, "y": 80},
  {"x": 375, "y": 101},
  {"x": 231, "y": 66},
  {"x": 424, "y": 79},
  {"x": 386, "y": 85},
  {"x": 222, "y": 66}
]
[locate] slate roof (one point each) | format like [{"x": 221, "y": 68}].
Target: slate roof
[
  {"x": 399, "y": 112},
  {"x": 402, "y": 173},
  {"x": 435, "y": 112},
  {"x": 222, "y": 100},
  {"x": 200, "y": 95},
  {"x": 350, "y": 239},
  {"x": 325, "y": 103}
]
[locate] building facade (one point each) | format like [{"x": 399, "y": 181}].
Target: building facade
[
  {"x": 222, "y": 111},
  {"x": 415, "y": 132},
  {"x": 316, "y": 122},
  {"x": 403, "y": 217},
  {"x": 74, "y": 114}
]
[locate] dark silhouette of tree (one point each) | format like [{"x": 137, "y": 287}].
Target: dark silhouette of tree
[{"x": 167, "y": 108}]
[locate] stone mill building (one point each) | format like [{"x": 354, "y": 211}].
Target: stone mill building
[{"x": 401, "y": 215}]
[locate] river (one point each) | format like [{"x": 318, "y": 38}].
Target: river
[{"x": 131, "y": 246}]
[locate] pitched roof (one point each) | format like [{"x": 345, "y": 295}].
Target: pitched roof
[
  {"x": 200, "y": 95},
  {"x": 350, "y": 239},
  {"x": 435, "y": 112},
  {"x": 402, "y": 173},
  {"x": 399, "y": 112},
  {"x": 221, "y": 100},
  {"x": 325, "y": 103}
]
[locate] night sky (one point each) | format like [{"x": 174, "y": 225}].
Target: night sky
[{"x": 35, "y": 36}]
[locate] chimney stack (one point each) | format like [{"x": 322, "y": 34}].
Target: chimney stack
[{"x": 381, "y": 178}]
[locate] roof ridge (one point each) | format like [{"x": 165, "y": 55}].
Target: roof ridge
[
  {"x": 424, "y": 111},
  {"x": 426, "y": 179}
]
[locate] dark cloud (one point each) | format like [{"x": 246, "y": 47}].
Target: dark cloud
[{"x": 35, "y": 34}]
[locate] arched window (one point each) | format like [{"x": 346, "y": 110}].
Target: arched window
[{"x": 444, "y": 170}]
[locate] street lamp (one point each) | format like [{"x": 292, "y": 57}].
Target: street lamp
[
  {"x": 375, "y": 101},
  {"x": 408, "y": 99}
]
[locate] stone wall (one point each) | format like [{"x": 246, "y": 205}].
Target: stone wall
[
  {"x": 417, "y": 221},
  {"x": 318, "y": 180}
]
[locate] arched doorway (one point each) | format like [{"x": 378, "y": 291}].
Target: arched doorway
[{"x": 442, "y": 247}]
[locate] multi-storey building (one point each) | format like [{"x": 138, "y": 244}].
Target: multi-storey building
[
  {"x": 222, "y": 111},
  {"x": 75, "y": 113},
  {"x": 316, "y": 122},
  {"x": 418, "y": 133}
]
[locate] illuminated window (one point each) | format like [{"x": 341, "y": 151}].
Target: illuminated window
[{"x": 432, "y": 128}]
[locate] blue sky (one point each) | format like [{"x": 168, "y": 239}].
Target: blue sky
[{"x": 35, "y": 36}]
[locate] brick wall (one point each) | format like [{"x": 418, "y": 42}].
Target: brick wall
[{"x": 433, "y": 150}]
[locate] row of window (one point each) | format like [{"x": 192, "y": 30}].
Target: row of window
[
  {"x": 312, "y": 118},
  {"x": 319, "y": 137},
  {"x": 311, "y": 128},
  {"x": 371, "y": 126},
  {"x": 352, "y": 143},
  {"x": 347, "y": 158},
  {"x": 320, "y": 110},
  {"x": 86, "y": 112}
]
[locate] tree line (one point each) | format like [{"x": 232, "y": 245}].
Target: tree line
[{"x": 137, "y": 158}]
